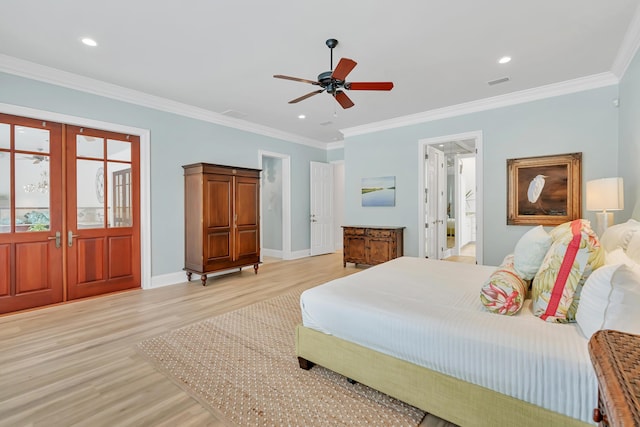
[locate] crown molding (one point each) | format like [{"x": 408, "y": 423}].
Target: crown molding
[
  {"x": 548, "y": 91},
  {"x": 334, "y": 145},
  {"x": 31, "y": 70},
  {"x": 629, "y": 46}
]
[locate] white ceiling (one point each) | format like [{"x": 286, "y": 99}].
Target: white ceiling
[{"x": 221, "y": 55}]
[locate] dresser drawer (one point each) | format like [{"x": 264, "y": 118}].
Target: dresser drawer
[
  {"x": 379, "y": 233},
  {"x": 353, "y": 231}
]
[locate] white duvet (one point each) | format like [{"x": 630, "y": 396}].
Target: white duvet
[{"x": 429, "y": 313}]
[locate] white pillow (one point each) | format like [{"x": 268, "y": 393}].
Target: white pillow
[
  {"x": 530, "y": 251},
  {"x": 622, "y": 312},
  {"x": 610, "y": 299},
  {"x": 618, "y": 256},
  {"x": 619, "y": 235},
  {"x": 633, "y": 249}
]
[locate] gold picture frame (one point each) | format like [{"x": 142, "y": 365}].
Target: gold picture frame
[{"x": 544, "y": 190}]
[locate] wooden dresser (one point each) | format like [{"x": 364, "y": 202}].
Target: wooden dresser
[
  {"x": 222, "y": 218},
  {"x": 371, "y": 245},
  {"x": 616, "y": 361}
]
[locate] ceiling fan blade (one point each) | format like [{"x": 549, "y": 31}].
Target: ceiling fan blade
[
  {"x": 303, "y": 97},
  {"x": 343, "y": 99},
  {"x": 296, "y": 79},
  {"x": 343, "y": 68},
  {"x": 369, "y": 85}
]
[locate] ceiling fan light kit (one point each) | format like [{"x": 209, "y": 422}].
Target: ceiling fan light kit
[{"x": 334, "y": 81}]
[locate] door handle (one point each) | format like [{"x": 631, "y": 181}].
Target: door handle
[
  {"x": 57, "y": 238},
  {"x": 70, "y": 237}
]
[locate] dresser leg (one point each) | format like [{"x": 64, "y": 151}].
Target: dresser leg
[
  {"x": 255, "y": 268},
  {"x": 188, "y": 276},
  {"x": 203, "y": 279}
]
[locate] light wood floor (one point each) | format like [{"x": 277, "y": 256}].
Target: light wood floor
[{"x": 75, "y": 364}]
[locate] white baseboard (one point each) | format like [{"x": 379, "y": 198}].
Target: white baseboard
[
  {"x": 168, "y": 279},
  {"x": 275, "y": 253},
  {"x": 181, "y": 277},
  {"x": 298, "y": 254}
]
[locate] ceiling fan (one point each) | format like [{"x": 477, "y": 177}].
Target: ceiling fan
[{"x": 333, "y": 82}]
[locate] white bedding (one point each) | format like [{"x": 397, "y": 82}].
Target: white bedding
[{"x": 429, "y": 313}]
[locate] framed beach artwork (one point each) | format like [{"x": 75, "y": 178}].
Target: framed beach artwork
[
  {"x": 379, "y": 191},
  {"x": 544, "y": 190}
]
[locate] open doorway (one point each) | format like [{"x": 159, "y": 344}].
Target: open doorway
[
  {"x": 275, "y": 203},
  {"x": 450, "y": 211}
]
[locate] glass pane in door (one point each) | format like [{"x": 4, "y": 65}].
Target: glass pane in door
[
  {"x": 5, "y": 136},
  {"x": 119, "y": 195},
  {"x": 89, "y": 146},
  {"x": 118, "y": 150},
  {"x": 31, "y": 192},
  {"x": 32, "y": 139},
  {"x": 5, "y": 192},
  {"x": 90, "y": 193}
]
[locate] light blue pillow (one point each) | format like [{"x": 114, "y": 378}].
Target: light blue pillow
[{"x": 530, "y": 252}]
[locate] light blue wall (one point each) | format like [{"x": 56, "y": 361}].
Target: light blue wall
[
  {"x": 584, "y": 122},
  {"x": 629, "y": 154},
  {"x": 335, "y": 154},
  {"x": 175, "y": 141}
]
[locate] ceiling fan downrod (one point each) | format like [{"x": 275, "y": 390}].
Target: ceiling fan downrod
[{"x": 331, "y": 43}]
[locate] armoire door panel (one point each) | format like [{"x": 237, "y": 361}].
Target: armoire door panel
[
  {"x": 247, "y": 202},
  {"x": 120, "y": 257},
  {"x": 218, "y": 202},
  {"x": 218, "y": 245},
  {"x": 5, "y": 270},
  {"x": 32, "y": 267},
  {"x": 90, "y": 260},
  {"x": 248, "y": 243}
]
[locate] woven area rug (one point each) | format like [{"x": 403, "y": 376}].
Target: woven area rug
[{"x": 242, "y": 366}]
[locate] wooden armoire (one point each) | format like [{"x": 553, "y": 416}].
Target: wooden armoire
[{"x": 222, "y": 218}]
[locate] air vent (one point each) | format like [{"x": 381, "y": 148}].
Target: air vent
[
  {"x": 234, "y": 113},
  {"x": 326, "y": 123},
  {"x": 498, "y": 81}
]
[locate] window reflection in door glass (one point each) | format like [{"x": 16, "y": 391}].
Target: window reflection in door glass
[
  {"x": 31, "y": 139},
  {"x": 118, "y": 150},
  {"x": 119, "y": 195},
  {"x": 5, "y": 135},
  {"x": 5, "y": 192},
  {"x": 89, "y": 146},
  {"x": 31, "y": 192},
  {"x": 90, "y": 193}
]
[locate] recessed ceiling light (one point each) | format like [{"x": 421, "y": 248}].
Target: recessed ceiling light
[
  {"x": 504, "y": 59},
  {"x": 302, "y": 116},
  {"x": 89, "y": 42}
]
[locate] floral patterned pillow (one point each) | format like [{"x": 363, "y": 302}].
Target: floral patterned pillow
[
  {"x": 505, "y": 291},
  {"x": 573, "y": 255}
]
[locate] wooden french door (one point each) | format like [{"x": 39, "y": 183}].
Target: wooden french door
[
  {"x": 31, "y": 214},
  {"x": 68, "y": 229},
  {"x": 103, "y": 212}
]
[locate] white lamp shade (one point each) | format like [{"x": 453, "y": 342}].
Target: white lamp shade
[{"x": 605, "y": 194}]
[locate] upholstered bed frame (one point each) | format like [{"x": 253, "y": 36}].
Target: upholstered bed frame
[{"x": 449, "y": 398}]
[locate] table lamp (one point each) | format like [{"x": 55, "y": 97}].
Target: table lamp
[{"x": 604, "y": 195}]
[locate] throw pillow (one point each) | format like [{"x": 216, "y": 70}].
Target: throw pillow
[
  {"x": 530, "y": 251},
  {"x": 505, "y": 291},
  {"x": 573, "y": 255}
]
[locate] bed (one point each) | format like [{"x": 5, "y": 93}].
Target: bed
[{"x": 415, "y": 329}]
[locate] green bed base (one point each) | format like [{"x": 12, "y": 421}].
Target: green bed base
[{"x": 449, "y": 398}]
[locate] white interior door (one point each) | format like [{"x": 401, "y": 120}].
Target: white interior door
[
  {"x": 321, "y": 209},
  {"x": 435, "y": 223}
]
